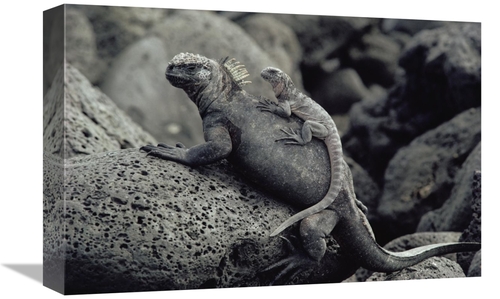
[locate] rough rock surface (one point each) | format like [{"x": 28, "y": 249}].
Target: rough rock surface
[
  {"x": 135, "y": 223},
  {"x": 421, "y": 175},
  {"x": 475, "y": 266},
  {"x": 456, "y": 212},
  {"x": 473, "y": 232},
  {"x": 136, "y": 81},
  {"x": 432, "y": 268},
  {"x": 53, "y": 44},
  {"x": 81, "y": 120},
  {"x": 442, "y": 77}
]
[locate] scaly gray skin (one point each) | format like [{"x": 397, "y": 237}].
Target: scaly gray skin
[
  {"x": 317, "y": 123},
  {"x": 236, "y": 130}
]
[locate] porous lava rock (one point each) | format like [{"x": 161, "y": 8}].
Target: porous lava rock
[
  {"x": 432, "y": 268},
  {"x": 122, "y": 221},
  {"x": 81, "y": 120}
]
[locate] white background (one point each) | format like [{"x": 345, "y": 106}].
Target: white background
[{"x": 21, "y": 148}]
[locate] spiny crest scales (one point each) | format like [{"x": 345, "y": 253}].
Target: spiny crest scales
[
  {"x": 189, "y": 58},
  {"x": 237, "y": 71}
]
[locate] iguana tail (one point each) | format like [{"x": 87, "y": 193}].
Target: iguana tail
[
  {"x": 357, "y": 240},
  {"x": 334, "y": 146},
  {"x": 388, "y": 261}
]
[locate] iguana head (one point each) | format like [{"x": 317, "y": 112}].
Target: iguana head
[
  {"x": 278, "y": 79},
  {"x": 205, "y": 80},
  {"x": 186, "y": 69}
]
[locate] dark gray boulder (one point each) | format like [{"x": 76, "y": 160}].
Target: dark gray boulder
[
  {"x": 421, "y": 176},
  {"x": 442, "y": 77},
  {"x": 432, "y": 268},
  {"x": 469, "y": 261},
  {"x": 323, "y": 37},
  {"x": 375, "y": 57},
  {"x": 410, "y": 27},
  {"x": 456, "y": 212},
  {"x": 337, "y": 91},
  {"x": 475, "y": 266},
  {"x": 278, "y": 41}
]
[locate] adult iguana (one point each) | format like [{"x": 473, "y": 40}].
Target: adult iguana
[
  {"x": 236, "y": 130},
  {"x": 317, "y": 123}
]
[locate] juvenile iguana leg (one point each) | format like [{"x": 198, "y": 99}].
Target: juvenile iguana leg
[
  {"x": 313, "y": 230},
  {"x": 309, "y": 130},
  {"x": 282, "y": 108}
]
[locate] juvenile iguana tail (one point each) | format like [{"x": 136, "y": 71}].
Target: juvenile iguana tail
[{"x": 334, "y": 147}]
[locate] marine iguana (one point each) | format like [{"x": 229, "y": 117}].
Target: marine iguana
[
  {"x": 317, "y": 123},
  {"x": 236, "y": 130}
]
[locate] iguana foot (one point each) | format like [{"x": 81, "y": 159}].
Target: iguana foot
[
  {"x": 361, "y": 206},
  {"x": 294, "y": 137},
  {"x": 266, "y": 105},
  {"x": 165, "y": 152},
  {"x": 296, "y": 263}
]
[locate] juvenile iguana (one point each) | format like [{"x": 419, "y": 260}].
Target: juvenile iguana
[
  {"x": 236, "y": 130},
  {"x": 317, "y": 123}
]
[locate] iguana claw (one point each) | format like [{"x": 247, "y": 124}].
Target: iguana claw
[
  {"x": 295, "y": 264},
  {"x": 266, "y": 105},
  {"x": 164, "y": 151},
  {"x": 295, "y": 137}
]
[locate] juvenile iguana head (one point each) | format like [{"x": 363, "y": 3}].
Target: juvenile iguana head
[
  {"x": 203, "y": 79},
  {"x": 278, "y": 79}
]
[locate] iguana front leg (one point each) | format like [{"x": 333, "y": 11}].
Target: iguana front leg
[
  {"x": 217, "y": 147},
  {"x": 309, "y": 130},
  {"x": 282, "y": 108}
]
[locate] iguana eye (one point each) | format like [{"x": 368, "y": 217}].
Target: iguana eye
[{"x": 204, "y": 74}]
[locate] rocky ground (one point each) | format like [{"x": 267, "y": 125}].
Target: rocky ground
[{"x": 406, "y": 96}]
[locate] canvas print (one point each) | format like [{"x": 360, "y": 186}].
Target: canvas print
[{"x": 190, "y": 149}]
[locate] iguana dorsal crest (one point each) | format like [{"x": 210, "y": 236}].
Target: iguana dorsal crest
[{"x": 237, "y": 71}]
